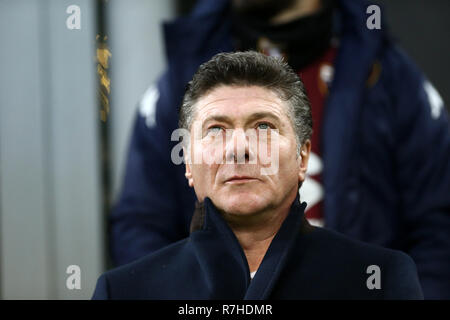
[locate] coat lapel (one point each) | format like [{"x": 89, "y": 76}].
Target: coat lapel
[
  {"x": 223, "y": 263},
  {"x": 221, "y": 258},
  {"x": 277, "y": 255}
]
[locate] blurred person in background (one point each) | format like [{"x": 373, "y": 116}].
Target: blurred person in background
[{"x": 380, "y": 159}]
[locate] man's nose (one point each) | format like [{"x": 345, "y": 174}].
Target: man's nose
[{"x": 238, "y": 147}]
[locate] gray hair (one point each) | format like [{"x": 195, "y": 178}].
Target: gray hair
[{"x": 247, "y": 69}]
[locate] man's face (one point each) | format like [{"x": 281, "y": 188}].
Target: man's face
[{"x": 236, "y": 183}]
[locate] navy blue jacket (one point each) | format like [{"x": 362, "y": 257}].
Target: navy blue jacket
[
  {"x": 302, "y": 262},
  {"x": 385, "y": 144}
]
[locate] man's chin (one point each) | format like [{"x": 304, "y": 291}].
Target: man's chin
[{"x": 243, "y": 204}]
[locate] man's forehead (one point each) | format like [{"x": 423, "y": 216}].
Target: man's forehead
[{"x": 239, "y": 101}]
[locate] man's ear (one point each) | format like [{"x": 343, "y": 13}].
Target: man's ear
[
  {"x": 188, "y": 173},
  {"x": 305, "y": 151}
]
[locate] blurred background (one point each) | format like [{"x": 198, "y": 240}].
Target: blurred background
[{"x": 67, "y": 101}]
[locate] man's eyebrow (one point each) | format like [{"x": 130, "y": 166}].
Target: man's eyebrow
[
  {"x": 253, "y": 117},
  {"x": 218, "y": 118},
  {"x": 260, "y": 115}
]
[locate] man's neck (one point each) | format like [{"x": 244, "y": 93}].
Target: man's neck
[
  {"x": 256, "y": 233},
  {"x": 255, "y": 249}
]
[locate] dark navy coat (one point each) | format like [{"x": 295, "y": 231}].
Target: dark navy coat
[
  {"x": 385, "y": 144},
  {"x": 302, "y": 262}
]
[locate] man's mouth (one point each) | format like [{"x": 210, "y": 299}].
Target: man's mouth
[{"x": 240, "y": 179}]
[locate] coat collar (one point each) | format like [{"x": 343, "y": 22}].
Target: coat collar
[{"x": 223, "y": 262}]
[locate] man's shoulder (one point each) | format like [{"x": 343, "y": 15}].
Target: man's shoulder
[
  {"x": 153, "y": 276},
  {"x": 338, "y": 244},
  {"x": 151, "y": 260},
  {"x": 335, "y": 266}
]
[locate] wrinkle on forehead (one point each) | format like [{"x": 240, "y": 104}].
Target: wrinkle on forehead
[{"x": 262, "y": 99}]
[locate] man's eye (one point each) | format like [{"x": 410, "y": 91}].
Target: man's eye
[
  {"x": 263, "y": 126},
  {"x": 214, "y": 130}
]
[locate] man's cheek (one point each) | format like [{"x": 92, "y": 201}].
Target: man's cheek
[
  {"x": 212, "y": 156},
  {"x": 269, "y": 152},
  {"x": 205, "y": 175},
  {"x": 212, "y": 149}
]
